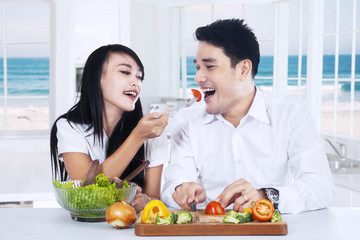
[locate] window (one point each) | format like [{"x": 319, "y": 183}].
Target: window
[
  {"x": 341, "y": 71},
  {"x": 340, "y": 91},
  {"x": 264, "y": 31},
  {"x": 24, "y": 66}
]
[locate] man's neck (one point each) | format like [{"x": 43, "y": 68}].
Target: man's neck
[{"x": 241, "y": 109}]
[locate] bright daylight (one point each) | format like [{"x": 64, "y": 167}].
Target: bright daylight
[{"x": 181, "y": 118}]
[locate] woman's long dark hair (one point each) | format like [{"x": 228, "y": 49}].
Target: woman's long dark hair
[{"x": 88, "y": 110}]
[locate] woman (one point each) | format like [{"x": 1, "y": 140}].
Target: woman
[{"x": 107, "y": 124}]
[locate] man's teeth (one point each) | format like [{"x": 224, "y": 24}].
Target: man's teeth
[
  {"x": 130, "y": 93},
  {"x": 205, "y": 90}
]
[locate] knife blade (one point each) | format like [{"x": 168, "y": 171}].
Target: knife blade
[{"x": 195, "y": 211}]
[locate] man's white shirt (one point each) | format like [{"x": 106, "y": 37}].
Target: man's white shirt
[{"x": 275, "y": 145}]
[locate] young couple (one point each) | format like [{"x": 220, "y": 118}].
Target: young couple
[{"x": 243, "y": 145}]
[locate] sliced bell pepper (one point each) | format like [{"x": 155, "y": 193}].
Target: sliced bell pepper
[{"x": 153, "y": 209}]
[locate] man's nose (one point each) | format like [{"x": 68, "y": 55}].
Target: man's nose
[{"x": 199, "y": 77}]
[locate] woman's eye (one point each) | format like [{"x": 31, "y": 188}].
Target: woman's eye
[{"x": 125, "y": 72}]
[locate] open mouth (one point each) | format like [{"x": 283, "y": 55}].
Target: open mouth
[
  {"x": 132, "y": 94},
  {"x": 208, "y": 92}
]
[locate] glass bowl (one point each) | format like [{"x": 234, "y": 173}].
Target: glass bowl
[{"x": 89, "y": 205}]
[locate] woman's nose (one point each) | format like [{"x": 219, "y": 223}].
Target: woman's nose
[{"x": 135, "y": 82}]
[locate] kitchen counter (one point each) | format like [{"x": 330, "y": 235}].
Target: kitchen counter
[
  {"x": 55, "y": 223},
  {"x": 350, "y": 181}
]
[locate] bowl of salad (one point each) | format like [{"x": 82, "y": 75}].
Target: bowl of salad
[{"x": 89, "y": 203}]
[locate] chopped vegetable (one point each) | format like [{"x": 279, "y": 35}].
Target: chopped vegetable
[
  {"x": 236, "y": 217},
  {"x": 184, "y": 217},
  {"x": 166, "y": 221},
  {"x": 276, "y": 217},
  {"x": 247, "y": 210},
  {"x": 263, "y": 210},
  {"x": 214, "y": 208},
  {"x": 247, "y": 216},
  {"x": 153, "y": 209},
  {"x": 230, "y": 219}
]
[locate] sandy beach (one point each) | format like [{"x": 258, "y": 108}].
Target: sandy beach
[{"x": 25, "y": 118}]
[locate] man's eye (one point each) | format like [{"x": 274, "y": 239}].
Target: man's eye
[
  {"x": 197, "y": 68},
  {"x": 210, "y": 66}
]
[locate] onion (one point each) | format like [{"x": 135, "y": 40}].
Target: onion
[{"x": 120, "y": 215}]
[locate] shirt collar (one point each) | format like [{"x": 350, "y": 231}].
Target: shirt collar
[{"x": 258, "y": 110}]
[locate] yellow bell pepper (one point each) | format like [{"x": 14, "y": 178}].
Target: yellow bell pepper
[{"x": 153, "y": 209}]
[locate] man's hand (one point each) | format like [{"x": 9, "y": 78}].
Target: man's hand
[
  {"x": 241, "y": 193},
  {"x": 188, "y": 192}
]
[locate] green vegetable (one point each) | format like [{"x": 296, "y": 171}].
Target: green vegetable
[
  {"x": 247, "y": 216},
  {"x": 67, "y": 184},
  {"x": 166, "y": 221},
  {"x": 231, "y": 219},
  {"x": 95, "y": 196},
  {"x": 233, "y": 214},
  {"x": 184, "y": 217},
  {"x": 276, "y": 217},
  {"x": 235, "y": 217}
]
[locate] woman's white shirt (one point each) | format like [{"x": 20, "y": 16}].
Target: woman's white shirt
[{"x": 74, "y": 137}]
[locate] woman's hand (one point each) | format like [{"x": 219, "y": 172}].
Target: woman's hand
[
  {"x": 152, "y": 125},
  {"x": 141, "y": 199}
]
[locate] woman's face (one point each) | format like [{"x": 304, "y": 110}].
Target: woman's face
[{"x": 120, "y": 83}]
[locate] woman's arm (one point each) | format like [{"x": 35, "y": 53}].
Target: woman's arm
[
  {"x": 153, "y": 181},
  {"x": 150, "y": 126},
  {"x": 152, "y": 188}
]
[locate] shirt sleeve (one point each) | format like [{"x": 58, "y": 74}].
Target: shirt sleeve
[
  {"x": 70, "y": 138},
  {"x": 182, "y": 167},
  {"x": 312, "y": 185},
  {"x": 158, "y": 150}
]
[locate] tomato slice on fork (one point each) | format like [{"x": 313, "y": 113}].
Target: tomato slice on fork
[{"x": 196, "y": 93}]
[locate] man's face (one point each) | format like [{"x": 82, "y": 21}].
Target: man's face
[{"x": 219, "y": 82}]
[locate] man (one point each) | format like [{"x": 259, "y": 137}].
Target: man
[{"x": 245, "y": 145}]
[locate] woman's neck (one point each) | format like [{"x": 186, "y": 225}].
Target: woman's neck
[{"x": 110, "y": 119}]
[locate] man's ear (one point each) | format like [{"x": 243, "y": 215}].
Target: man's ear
[{"x": 245, "y": 67}]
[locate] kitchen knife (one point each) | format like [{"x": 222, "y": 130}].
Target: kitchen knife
[{"x": 195, "y": 211}]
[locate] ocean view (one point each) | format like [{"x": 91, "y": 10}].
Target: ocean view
[{"x": 30, "y": 76}]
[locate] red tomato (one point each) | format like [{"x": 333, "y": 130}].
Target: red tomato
[
  {"x": 214, "y": 208},
  {"x": 197, "y": 94},
  {"x": 262, "y": 210}
]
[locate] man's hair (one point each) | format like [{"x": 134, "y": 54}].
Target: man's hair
[{"x": 235, "y": 38}]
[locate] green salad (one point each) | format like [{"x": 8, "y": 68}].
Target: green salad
[{"x": 95, "y": 196}]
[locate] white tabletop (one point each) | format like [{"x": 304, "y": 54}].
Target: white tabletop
[{"x": 56, "y": 223}]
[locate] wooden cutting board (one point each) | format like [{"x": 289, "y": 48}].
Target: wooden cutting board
[{"x": 210, "y": 225}]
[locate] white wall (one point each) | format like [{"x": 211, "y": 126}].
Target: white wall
[
  {"x": 151, "y": 39},
  {"x": 77, "y": 29}
]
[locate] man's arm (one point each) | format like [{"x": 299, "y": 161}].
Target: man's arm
[
  {"x": 313, "y": 183},
  {"x": 182, "y": 167}
]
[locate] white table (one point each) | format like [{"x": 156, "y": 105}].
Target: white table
[{"x": 55, "y": 223}]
